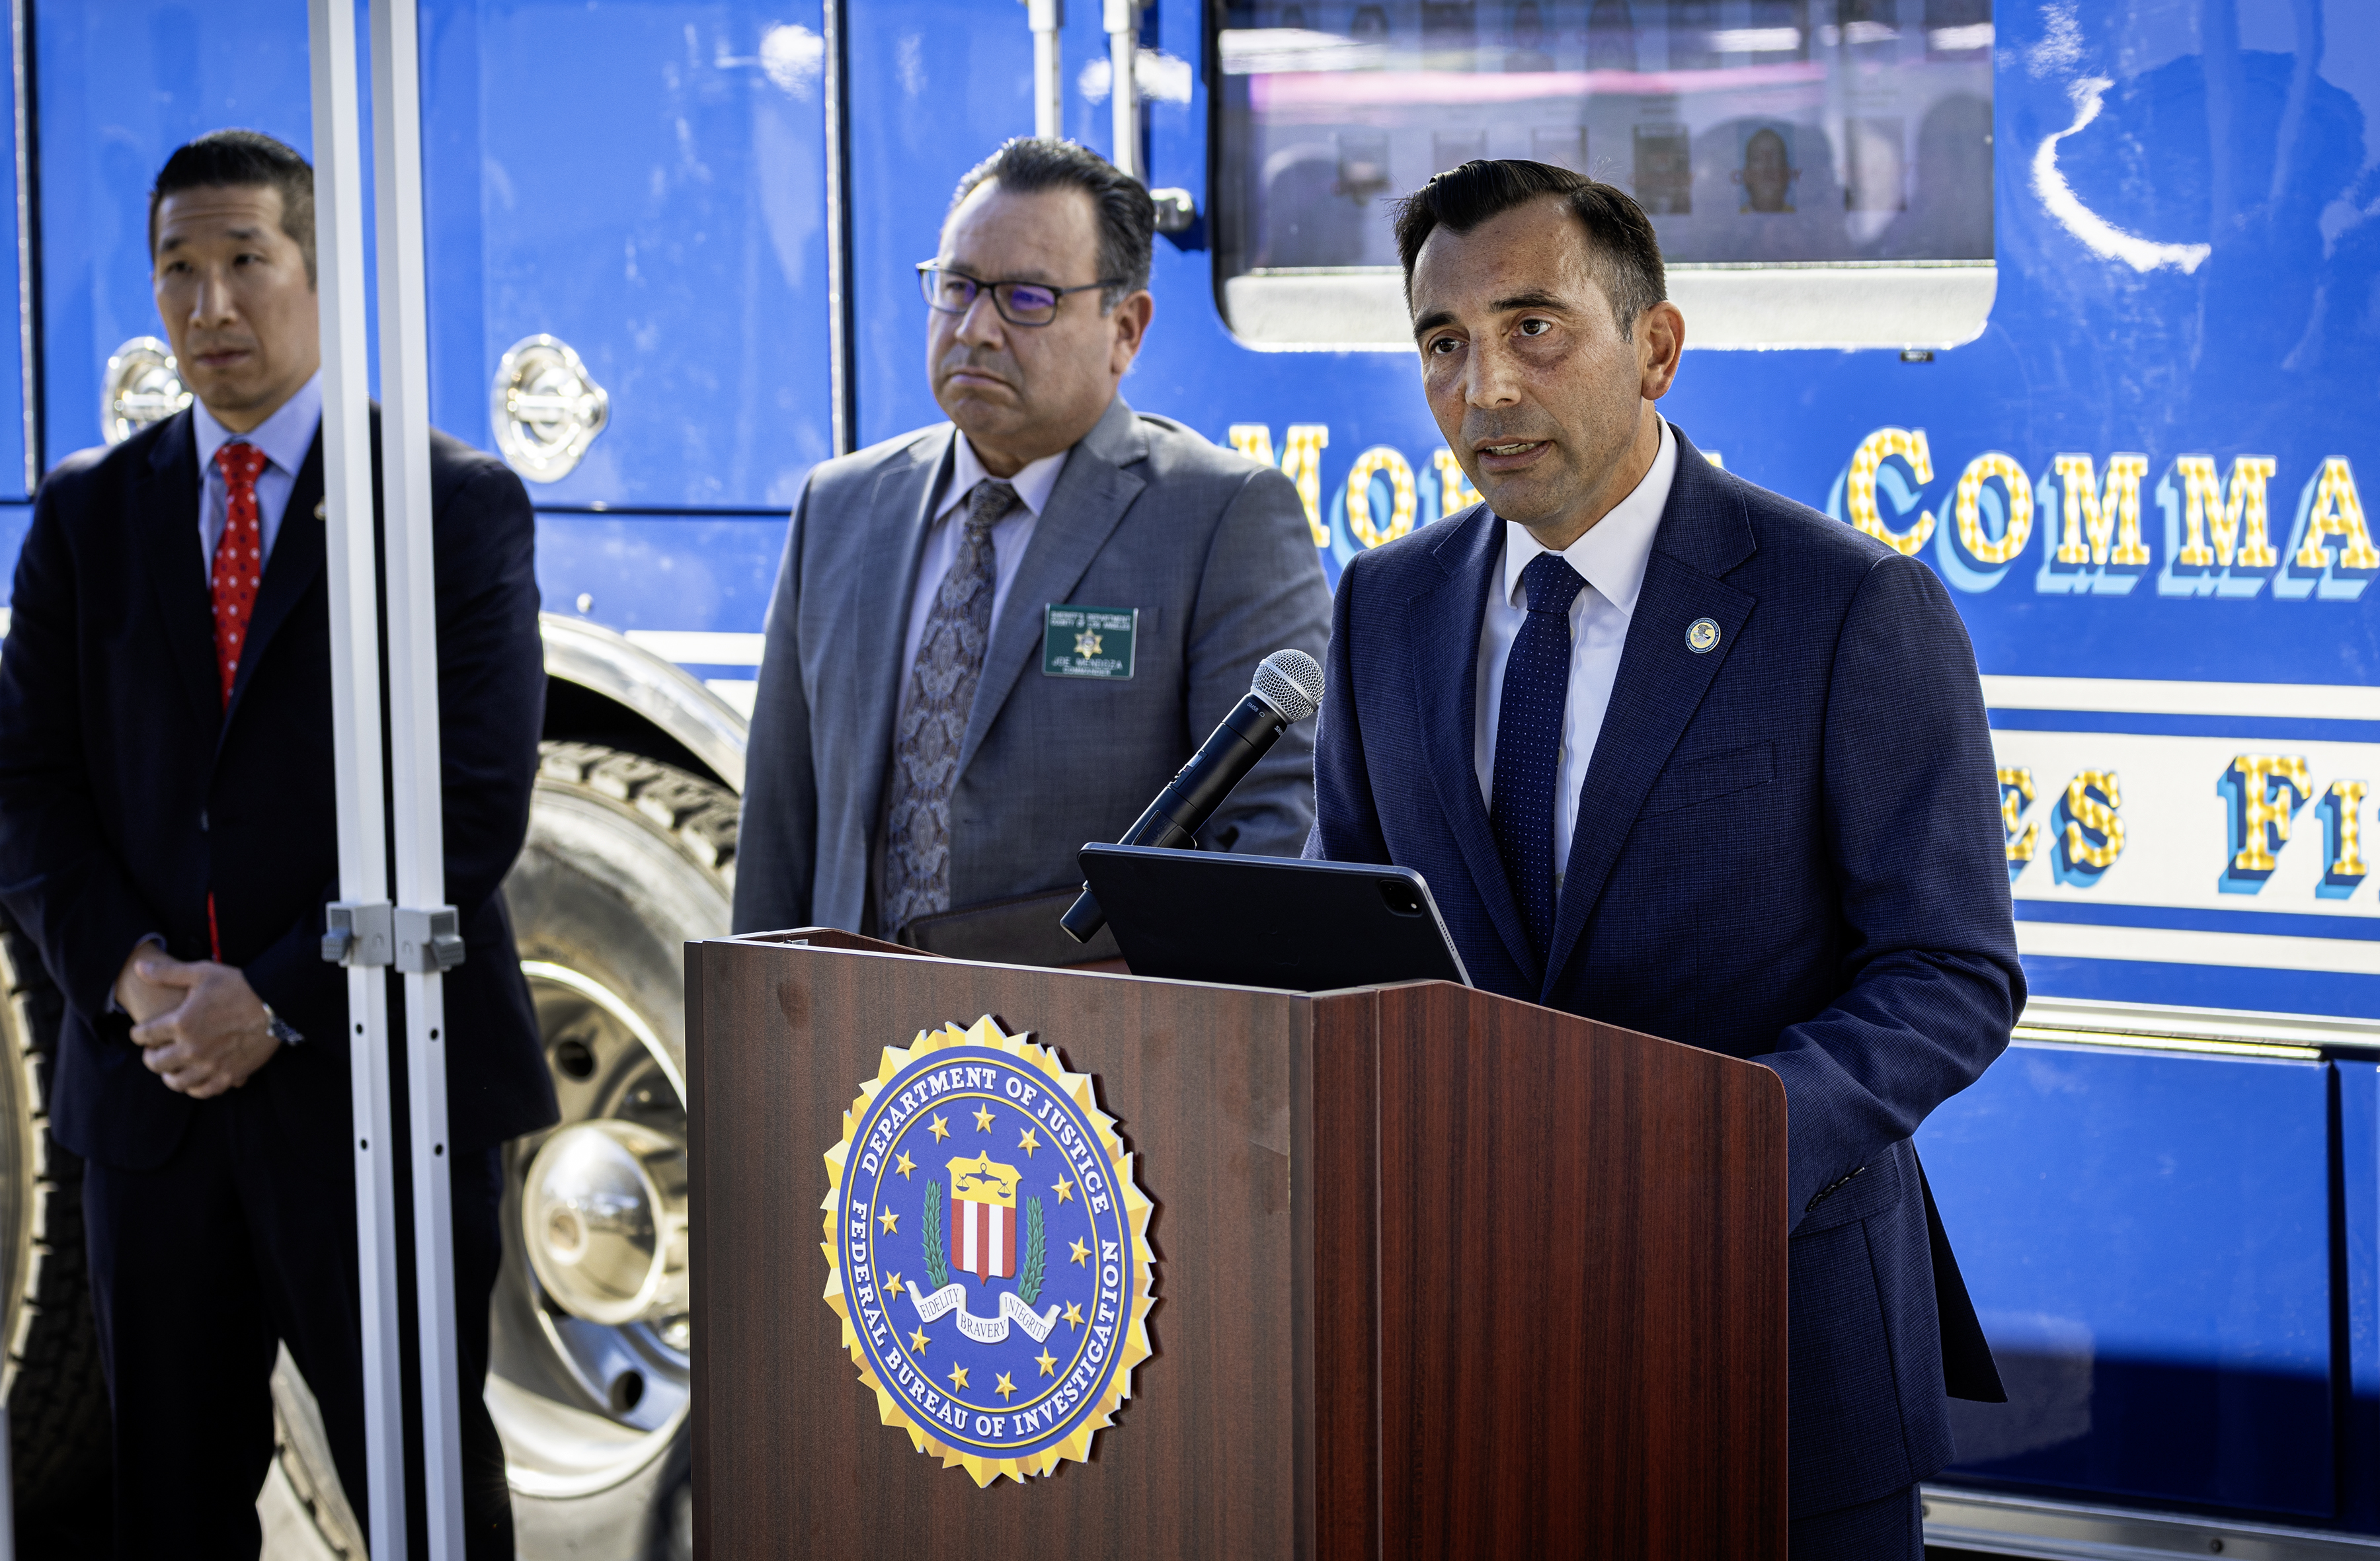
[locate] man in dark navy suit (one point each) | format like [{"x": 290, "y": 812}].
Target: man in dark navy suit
[
  {"x": 168, "y": 838},
  {"x": 1687, "y": 757}
]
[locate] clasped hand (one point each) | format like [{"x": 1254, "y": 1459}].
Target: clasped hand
[{"x": 199, "y": 1026}]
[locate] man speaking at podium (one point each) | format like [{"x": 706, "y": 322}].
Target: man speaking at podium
[{"x": 1684, "y": 756}]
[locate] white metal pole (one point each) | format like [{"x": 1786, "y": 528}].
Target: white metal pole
[
  {"x": 1045, "y": 17},
  {"x": 427, "y": 937},
  {"x": 355, "y": 747},
  {"x": 1123, "y": 19}
]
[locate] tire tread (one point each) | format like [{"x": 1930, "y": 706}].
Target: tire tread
[
  {"x": 700, "y": 815},
  {"x": 56, "y": 1389}
]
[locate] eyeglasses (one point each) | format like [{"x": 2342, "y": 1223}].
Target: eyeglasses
[{"x": 1020, "y": 303}]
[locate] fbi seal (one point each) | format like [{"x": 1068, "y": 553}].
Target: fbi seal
[{"x": 988, "y": 1251}]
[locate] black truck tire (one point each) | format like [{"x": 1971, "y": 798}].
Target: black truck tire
[{"x": 57, "y": 1392}]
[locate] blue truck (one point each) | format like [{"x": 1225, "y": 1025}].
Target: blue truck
[{"x": 2078, "y": 301}]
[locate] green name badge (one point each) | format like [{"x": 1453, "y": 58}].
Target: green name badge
[{"x": 1089, "y": 641}]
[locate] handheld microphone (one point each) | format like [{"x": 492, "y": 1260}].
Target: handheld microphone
[{"x": 1288, "y": 688}]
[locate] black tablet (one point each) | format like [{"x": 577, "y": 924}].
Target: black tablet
[{"x": 1300, "y": 926}]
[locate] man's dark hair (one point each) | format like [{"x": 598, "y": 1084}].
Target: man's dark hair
[
  {"x": 1622, "y": 247},
  {"x": 1127, "y": 217},
  {"x": 236, "y": 159}
]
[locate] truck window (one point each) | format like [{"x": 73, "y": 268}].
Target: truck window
[{"x": 1819, "y": 171}]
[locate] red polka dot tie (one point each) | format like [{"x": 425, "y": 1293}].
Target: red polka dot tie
[{"x": 240, "y": 557}]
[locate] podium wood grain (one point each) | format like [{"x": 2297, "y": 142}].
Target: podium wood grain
[{"x": 1438, "y": 1273}]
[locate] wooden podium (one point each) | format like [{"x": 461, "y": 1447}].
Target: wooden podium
[{"x": 1437, "y": 1273}]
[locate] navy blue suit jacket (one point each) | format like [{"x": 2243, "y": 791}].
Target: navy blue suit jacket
[
  {"x": 1788, "y": 849},
  {"x": 128, "y": 792}
]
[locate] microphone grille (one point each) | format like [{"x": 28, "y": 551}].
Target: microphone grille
[{"x": 1290, "y": 681}]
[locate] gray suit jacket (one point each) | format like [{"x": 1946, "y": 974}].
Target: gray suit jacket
[{"x": 1211, "y": 547}]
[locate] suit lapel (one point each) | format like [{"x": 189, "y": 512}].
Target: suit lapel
[
  {"x": 165, "y": 528},
  {"x": 296, "y": 562},
  {"x": 1442, "y": 626},
  {"x": 904, "y": 495},
  {"x": 1704, "y": 534},
  {"x": 1092, "y": 492}
]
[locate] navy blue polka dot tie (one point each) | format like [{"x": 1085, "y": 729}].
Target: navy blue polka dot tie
[{"x": 1529, "y": 742}]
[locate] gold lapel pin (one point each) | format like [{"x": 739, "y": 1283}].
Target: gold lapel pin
[{"x": 321, "y": 509}]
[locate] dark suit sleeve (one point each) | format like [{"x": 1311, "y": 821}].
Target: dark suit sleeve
[
  {"x": 1262, "y": 590},
  {"x": 491, "y": 708},
  {"x": 1346, "y": 825},
  {"x": 1932, "y": 981},
  {"x": 59, "y": 872},
  {"x": 776, "y": 842},
  {"x": 490, "y": 681}
]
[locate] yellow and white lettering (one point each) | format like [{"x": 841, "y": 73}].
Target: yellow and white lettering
[
  {"x": 2345, "y": 801},
  {"x": 1380, "y": 460},
  {"x": 2267, "y": 789},
  {"x": 2235, "y": 518},
  {"x": 2087, "y": 816},
  {"x": 1301, "y": 460},
  {"x": 1969, "y": 508},
  {"x": 1454, "y": 489},
  {"x": 1859, "y": 486},
  {"x": 2111, "y": 520},
  {"x": 2016, "y": 795},
  {"x": 2337, "y": 512}
]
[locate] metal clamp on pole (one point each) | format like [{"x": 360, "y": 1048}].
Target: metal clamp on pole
[
  {"x": 357, "y": 933},
  {"x": 427, "y": 942}
]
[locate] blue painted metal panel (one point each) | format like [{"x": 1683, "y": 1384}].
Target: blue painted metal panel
[
  {"x": 2206, "y": 986},
  {"x": 660, "y": 572},
  {"x": 119, "y": 87},
  {"x": 2148, "y": 1238},
  {"x": 2234, "y": 351},
  {"x": 12, "y": 350},
  {"x": 646, "y": 182},
  {"x": 16, "y": 519},
  {"x": 935, "y": 86}
]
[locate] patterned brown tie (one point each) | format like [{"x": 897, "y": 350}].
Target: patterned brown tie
[{"x": 941, "y": 697}]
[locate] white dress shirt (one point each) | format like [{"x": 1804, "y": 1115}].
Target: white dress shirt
[
  {"x": 285, "y": 437},
  {"x": 1611, "y": 558},
  {"x": 1009, "y": 537}
]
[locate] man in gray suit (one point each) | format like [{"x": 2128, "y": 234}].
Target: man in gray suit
[{"x": 996, "y": 639}]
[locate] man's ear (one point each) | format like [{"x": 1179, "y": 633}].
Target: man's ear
[
  {"x": 1660, "y": 341},
  {"x": 1130, "y": 320}
]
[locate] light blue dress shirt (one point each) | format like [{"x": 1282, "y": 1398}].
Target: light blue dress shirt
[{"x": 285, "y": 437}]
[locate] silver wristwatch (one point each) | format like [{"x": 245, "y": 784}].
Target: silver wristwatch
[{"x": 283, "y": 1030}]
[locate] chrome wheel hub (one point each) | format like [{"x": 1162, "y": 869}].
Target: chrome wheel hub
[
  {"x": 603, "y": 1217},
  {"x": 596, "y": 1217}
]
